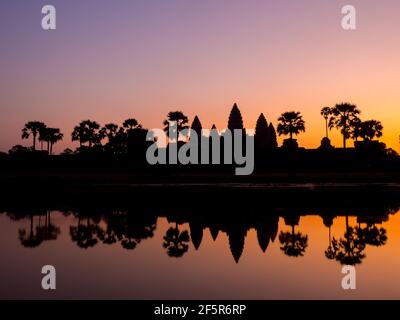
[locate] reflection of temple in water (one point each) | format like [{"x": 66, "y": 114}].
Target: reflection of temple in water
[{"x": 128, "y": 228}]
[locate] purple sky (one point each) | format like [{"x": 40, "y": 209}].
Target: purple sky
[{"x": 111, "y": 60}]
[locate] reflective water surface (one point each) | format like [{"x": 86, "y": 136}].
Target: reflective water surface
[{"x": 140, "y": 255}]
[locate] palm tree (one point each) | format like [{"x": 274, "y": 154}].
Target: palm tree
[
  {"x": 326, "y": 112},
  {"x": 355, "y": 129},
  {"x": 32, "y": 128},
  {"x": 51, "y": 136},
  {"x": 87, "y": 132},
  {"x": 291, "y": 123},
  {"x": 110, "y": 130},
  {"x": 181, "y": 123},
  {"x": 370, "y": 129},
  {"x": 342, "y": 117},
  {"x": 131, "y": 124},
  {"x": 42, "y": 136}
]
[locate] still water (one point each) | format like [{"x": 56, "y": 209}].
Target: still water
[{"x": 120, "y": 254}]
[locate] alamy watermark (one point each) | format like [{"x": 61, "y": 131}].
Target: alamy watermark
[
  {"x": 49, "y": 280},
  {"x": 348, "y": 21},
  {"x": 238, "y": 148},
  {"x": 349, "y": 280}
]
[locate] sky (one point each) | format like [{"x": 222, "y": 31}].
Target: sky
[{"x": 112, "y": 60}]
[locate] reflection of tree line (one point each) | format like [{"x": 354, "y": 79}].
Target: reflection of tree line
[{"x": 130, "y": 229}]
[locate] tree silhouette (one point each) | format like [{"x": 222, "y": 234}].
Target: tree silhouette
[
  {"x": 87, "y": 132},
  {"x": 181, "y": 123},
  {"x": 355, "y": 129},
  {"x": 326, "y": 112},
  {"x": 293, "y": 244},
  {"x": 291, "y": 123},
  {"x": 51, "y": 136},
  {"x": 370, "y": 129},
  {"x": 131, "y": 124},
  {"x": 42, "y": 136},
  {"x": 18, "y": 149},
  {"x": 117, "y": 138},
  {"x": 32, "y": 128},
  {"x": 136, "y": 229},
  {"x": 343, "y": 117},
  {"x": 49, "y": 231},
  {"x": 31, "y": 239},
  {"x": 109, "y": 131},
  {"x": 374, "y": 236},
  {"x": 85, "y": 236},
  {"x": 176, "y": 242},
  {"x": 330, "y": 251},
  {"x": 350, "y": 249}
]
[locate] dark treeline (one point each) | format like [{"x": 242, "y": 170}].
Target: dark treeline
[{"x": 110, "y": 145}]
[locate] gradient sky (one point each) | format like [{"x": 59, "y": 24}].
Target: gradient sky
[{"x": 110, "y": 60}]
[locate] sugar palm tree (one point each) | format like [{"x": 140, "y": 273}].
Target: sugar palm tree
[
  {"x": 370, "y": 129},
  {"x": 326, "y": 112},
  {"x": 42, "y": 136},
  {"x": 52, "y": 136},
  {"x": 291, "y": 123},
  {"x": 181, "y": 123},
  {"x": 342, "y": 117},
  {"x": 32, "y": 128},
  {"x": 87, "y": 132},
  {"x": 131, "y": 124}
]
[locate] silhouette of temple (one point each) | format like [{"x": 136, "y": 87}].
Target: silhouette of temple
[
  {"x": 235, "y": 120},
  {"x": 265, "y": 135}
]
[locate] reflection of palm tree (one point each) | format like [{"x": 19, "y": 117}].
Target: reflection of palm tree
[
  {"x": 374, "y": 236},
  {"x": 30, "y": 240},
  {"x": 176, "y": 242},
  {"x": 350, "y": 250},
  {"x": 85, "y": 236},
  {"x": 49, "y": 231},
  {"x": 330, "y": 252},
  {"x": 293, "y": 244}
]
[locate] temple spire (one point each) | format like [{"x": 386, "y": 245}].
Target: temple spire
[{"x": 235, "y": 119}]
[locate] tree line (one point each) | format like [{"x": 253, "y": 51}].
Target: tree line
[{"x": 90, "y": 134}]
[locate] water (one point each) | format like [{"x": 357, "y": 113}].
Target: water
[{"x": 121, "y": 254}]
